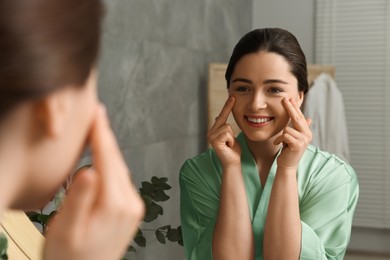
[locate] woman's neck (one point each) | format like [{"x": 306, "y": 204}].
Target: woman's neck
[{"x": 263, "y": 152}]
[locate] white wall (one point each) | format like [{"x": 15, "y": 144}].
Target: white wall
[{"x": 296, "y": 16}]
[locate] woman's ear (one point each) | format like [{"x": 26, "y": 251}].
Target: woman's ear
[{"x": 51, "y": 114}]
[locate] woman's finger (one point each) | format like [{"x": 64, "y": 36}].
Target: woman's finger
[
  {"x": 230, "y": 140},
  {"x": 223, "y": 116},
  {"x": 107, "y": 158},
  {"x": 78, "y": 204},
  {"x": 298, "y": 136},
  {"x": 215, "y": 137},
  {"x": 297, "y": 118},
  {"x": 309, "y": 121},
  {"x": 302, "y": 136},
  {"x": 223, "y": 139}
]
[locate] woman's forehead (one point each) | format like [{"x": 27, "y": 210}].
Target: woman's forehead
[{"x": 264, "y": 66}]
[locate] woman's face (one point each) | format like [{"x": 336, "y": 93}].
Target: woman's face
[
  {"x": 54, "y": 155},
  {"x": 259, "y": 83}
]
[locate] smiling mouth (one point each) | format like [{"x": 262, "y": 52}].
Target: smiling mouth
[{"x": 258, "y": 120}]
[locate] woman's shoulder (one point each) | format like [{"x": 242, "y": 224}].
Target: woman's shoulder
[
  {"x": 200, "y": 162},
  {"x": 321, "y": 164},
  {"x": 202, "y": 165}
]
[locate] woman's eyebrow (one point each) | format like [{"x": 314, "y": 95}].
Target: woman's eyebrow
[
  {"x": 242, "y": 80},
  {"x": 272, "y": 81},
  {"x": 267, "y": 81}
]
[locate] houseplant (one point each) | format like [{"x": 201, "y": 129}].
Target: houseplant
[{"x": 153, "y": 192}]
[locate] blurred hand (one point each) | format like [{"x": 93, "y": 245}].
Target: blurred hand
[
  {"x": 102, "y": 210},
  {"x": 222, "y": 139}
]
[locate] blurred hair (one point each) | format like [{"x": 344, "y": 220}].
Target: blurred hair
[
  {"x": 44, "y": 45},
  {"x": 274, "y": 40}
]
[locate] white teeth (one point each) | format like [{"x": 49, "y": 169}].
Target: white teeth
[{"x": 259, "y": 120}]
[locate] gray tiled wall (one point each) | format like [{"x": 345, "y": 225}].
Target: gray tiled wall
[{"x": 153, "y": 80}]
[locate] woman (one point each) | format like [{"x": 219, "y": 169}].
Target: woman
[
  {"x": 267, "y": 193},
  {"x": 49, "y": 111}
]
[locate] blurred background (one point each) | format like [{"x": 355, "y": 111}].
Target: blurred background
[{"x": 153, "y": 78}]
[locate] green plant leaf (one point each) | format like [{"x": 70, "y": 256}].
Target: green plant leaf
[
  {"x": 161, "y": 183},
  {"x": 139, "y": 233},
  {"x": 166, "y": 227},
  {"x": 33, "y": 216},
  {"x": 131, "y": 248},
  {"x": 174, "y": 235},
  {"x": 147, "y": 188},
  {"x": 3, "y": 246},
  {"x": 152, "y": 212},
  {"x": 140, "y": 241},
  {"x": 160, "y": 236},
  {"x": 160, "y": 196},
  {"x": 152, "y": 192},
  {"x": 164, "y": 186},
  {"x": 180, "y": 242},
  {"x": 139, "y": 238},
  {"x": 44, "y": 218},
  {"x": 155, "y": 180},
  {"x": 147, "y": 199}
]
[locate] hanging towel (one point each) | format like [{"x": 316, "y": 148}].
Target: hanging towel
[{"x": 324, "y": 105}]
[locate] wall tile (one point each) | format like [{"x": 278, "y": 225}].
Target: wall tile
[{"x": 227, "y": 21}]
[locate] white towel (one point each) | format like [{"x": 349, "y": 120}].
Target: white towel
[{"x": 324, "y": 105}]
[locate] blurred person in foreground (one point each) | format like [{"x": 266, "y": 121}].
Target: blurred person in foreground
[{"x": 49, "y": 112}]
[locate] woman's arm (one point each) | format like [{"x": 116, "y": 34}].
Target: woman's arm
[
  {"x": 233, "y": 236},
  {"x": 282, "y": 233}
]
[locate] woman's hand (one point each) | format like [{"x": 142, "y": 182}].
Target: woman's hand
[
  {"x": 295, "y": 139},
  {"x": 102, "y": 211},
  {"x": 222, "y": 139}
]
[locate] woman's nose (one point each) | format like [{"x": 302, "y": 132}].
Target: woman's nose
[{"x": 258, "y": 101}]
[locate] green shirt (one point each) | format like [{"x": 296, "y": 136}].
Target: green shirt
[
  {"x": 328, "y": 193},
  {"x": 3, "y": 247}
]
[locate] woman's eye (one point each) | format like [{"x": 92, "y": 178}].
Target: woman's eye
[
  {"x": 242, "y": 89},
  {"x": 275, "y": 90}
]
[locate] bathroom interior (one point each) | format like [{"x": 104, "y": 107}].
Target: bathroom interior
[{"x": 155, "y": 79}]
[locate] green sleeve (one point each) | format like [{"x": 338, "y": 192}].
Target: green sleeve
[
  {"x": 198, "y": 209},
  {"x": 326, "y": 213},
  {"x": 3, "y": 247}
]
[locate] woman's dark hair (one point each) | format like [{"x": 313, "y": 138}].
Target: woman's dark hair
[
  {"x": 274, "y": 40},
  {"x": 44, "y": 45}
]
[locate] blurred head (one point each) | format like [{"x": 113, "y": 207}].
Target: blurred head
[
  {"x": 266, "y": 66},
  {"x": 48, "y": 54}
]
